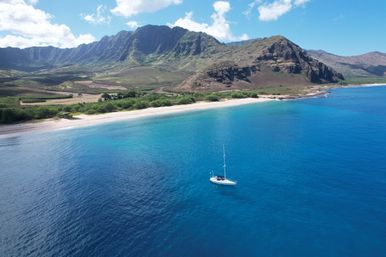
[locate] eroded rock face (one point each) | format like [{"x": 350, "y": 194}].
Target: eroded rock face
[
  {"x": 285, "y": 56},
  {"x": 276, "y": 54},
  {"x": 226, "y": 72}
]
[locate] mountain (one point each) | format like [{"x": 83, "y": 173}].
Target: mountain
[
  {"x": 177, "y": 57},
  {"x": 269, "y": 61},
  {"x": 371, "y": 64},
  {"x": 135, "y": 46}
]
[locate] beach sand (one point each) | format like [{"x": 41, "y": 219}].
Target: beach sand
[
  {"x": 366, "y": 85},
  {"x": 84, "y": 120}
]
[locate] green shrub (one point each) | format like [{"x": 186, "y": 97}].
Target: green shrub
[
  {"x": 153, "y": 97},
  {"x": 67, "y": 108},
  {"x": 12, "y": 115},
  {"x": 64, "y": 115},
  {"x": 100, "y": 109},
  {"x": 106, "y": 96},
  {"x": 238, "y": 95},
  {"x": 43, "y": 98},
  {"x": 33, "y": 100},
  {"x": 127, "y": 104},
  {"x": 103, "y": 108},
  {"x": 130, "y": 94},
  {"x": 45, "y": 112},
  {"x": 91, "y": 111},
  {"x": 213, "y": 98},
  {"x": 186, "y": 100},
  {"x": 76, "y": 107},
  {"x": 109, "y": 107},
  {"x": 141, "y": 105},
  {"x": 160, "y": 102},
  {"x": 156, "y": 103},
  {"x": 166, "y": 102},
  {"x": 120, "y": 95}
]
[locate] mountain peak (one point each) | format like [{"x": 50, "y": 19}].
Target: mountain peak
[
  {"x": 278, "y": 38},
  {"x": 185, "y": 51}
]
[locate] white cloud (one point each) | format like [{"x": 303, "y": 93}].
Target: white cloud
[
  {"x": 33, "y": 1},
  {"x": 271, "y": 11},
  {"x": 98, "y": 17},
  {"x": 25, "y": 26},
  {"x": 132, "y": 24},
  {"x": 129, "y": 8},
  {"x": 222, "y": 7},
  {"x": 220, "y": 28}
]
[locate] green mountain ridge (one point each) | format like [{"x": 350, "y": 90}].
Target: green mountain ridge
[
  {"x": 137, "y": 47},
  {"x": 178, "y": 58}
]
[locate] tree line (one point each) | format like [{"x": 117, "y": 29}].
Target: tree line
[{"x": 132, "y": 100}]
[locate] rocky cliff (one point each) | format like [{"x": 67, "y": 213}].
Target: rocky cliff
[{"x": 274, "y": 60}]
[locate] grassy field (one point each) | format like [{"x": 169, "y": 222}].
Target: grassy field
[
  {"x": 147, "y": 78},
  {"x": 364, "y": 80},
  {"x": 118, "y": 79},
  {"x": 61, "y": 100},
  {"x": 9, "y": 102}
]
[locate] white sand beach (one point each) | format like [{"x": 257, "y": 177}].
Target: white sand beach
[
  {"x": 84, "y": 120},
  {"x": 366, "y": 85}
]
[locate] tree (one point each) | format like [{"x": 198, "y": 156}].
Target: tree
[
  {"x": 141, "y": 105},
  {"x": 186, "y": 100},
  {"x": 106, "y": 96},
  {"x": 213, "y": 98},
  {"x": 109, "y": 107},
  {"x": 131, "y": 94}
]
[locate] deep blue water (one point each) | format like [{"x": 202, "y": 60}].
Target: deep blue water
[{"x": 311, "y": 182}]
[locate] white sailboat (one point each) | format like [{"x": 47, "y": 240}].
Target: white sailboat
[{"x": 222, "y": 180}]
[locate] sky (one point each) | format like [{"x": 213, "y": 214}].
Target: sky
[{"x": 343, "y": 27}]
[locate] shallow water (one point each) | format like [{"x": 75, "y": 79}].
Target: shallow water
[{"x": 311, "y": 182}]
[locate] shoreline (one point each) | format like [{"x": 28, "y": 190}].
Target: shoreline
[
  {"x": 84, "y": 120},
  {"x": 365, "y": 85},
  {"x": 324, "y": 90}
]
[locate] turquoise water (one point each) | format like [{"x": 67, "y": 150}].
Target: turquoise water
[{"x": 311, "y": 182}]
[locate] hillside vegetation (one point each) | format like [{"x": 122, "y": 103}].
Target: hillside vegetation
[
  {"x": 166, "y": 65},
  {"x": 365, "y": 68},
  {"x": 159, "y": 56},
  {"x": 12, "y": 112}
]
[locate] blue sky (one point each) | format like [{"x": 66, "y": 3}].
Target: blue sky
[{"x": 344, "y": 27}]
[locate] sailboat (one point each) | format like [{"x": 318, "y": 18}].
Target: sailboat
[{"x": 222, "y": 180}]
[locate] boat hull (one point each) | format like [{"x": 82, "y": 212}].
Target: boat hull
[{"x": 224, "y": 182}]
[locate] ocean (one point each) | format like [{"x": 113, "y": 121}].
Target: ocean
[{"x": 311, "y": 179}]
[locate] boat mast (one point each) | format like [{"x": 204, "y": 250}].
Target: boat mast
[{"x": 225, "y": 167}]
